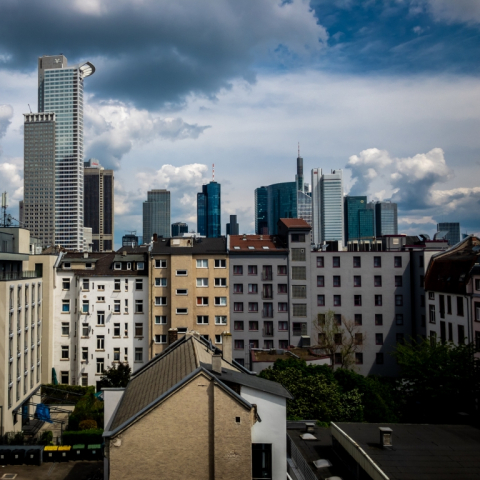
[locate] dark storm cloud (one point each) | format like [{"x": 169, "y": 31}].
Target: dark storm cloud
[{"x": 154, "y": 52}]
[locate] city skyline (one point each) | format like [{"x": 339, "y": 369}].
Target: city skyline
[{"x": 366, "y": 96}]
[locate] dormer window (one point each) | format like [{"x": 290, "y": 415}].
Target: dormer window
[
  {"x": 129, "y": 265},
  {"x": 117, "y": 266},
  {"x": 140, "y": 265},
  {"x": 67, "y": 265},
  {"x": 88, "y": 265}
]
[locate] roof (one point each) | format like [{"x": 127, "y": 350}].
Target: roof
[
  {"x": 449, "y": 270},
  {"x": 420, "y": 451},
  {"x": 256, "y": 244},
  {"x": 166, "y": 372},
  {"x": 295, "y": 223},
  {"x": 306, "y": 354},
  {"x": 200, "y": 245}
]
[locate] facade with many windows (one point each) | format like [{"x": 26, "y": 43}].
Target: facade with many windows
[
  {"x": 188, "y": 290},
  {"x": 101, "y": 315}
]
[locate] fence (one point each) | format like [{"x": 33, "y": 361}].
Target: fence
[{"x": 294, "y": 453}]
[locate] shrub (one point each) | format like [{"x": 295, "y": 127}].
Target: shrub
[
  {"x": 86, "y": 437},
  {"x": 87, "y": 425},
  {"x": 46, "y": 438}
]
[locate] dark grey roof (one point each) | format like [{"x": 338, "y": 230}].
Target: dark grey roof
[
  {"x": 255, "y": 382},
  {"x": 200, "y": 245},
  {"x": 423, "y": 452},
  {"x": 129, "y": 258}
]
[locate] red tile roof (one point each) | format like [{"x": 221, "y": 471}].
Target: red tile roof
[
  {"x": 258, "y": 242},
  {"x": 295, "y": 223}
]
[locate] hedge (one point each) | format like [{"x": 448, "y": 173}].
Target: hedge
[
  {"x": 87, "y": 437},
  {"x": 66, "y": 388}
]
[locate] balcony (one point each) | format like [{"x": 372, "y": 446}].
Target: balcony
[{"x": 268, "y": 331}]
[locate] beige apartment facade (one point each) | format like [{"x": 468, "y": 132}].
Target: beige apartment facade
[{"x": 188, "y": 290}]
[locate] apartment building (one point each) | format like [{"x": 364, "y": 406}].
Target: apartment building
[
  {"x": 101, "y": 314},
  {"x": 21, "y": 293},
  {"x": 258, "y": 289},
  {"x": 188, "y": 289}
]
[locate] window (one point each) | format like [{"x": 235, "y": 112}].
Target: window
[
  {"x": 202, "y": 301},
  {"x": 397, "y": 262},
  {"x": 337, "y": 281},
  {"x": 181, "y": 273},
  {"x": 140, "y": 265},
  {"x": 85, "y": 306},
  {"x": 298, "y": 291},
  {"x": 220, "y": 263},
  {"x": 181, "y": 291},
  {"x": 358, "y": 319},
  {"x": 423, "y": 321},
  {"x": 400, "y": 338},
  {"x": 220, "y": 282},
  {"x": 160, "y": 264},
  {"x": 139, "y": 354},
  {"x": 65, "y": 306},
  {"x": 84, "y": 354},
  {"x": 218, "y": 340},
  {"x": 100, "y": 365},
  {"x": 379, "y": 339},
  {"x": 460, "y": 306},
  {"x": 100, "y": 342},
  {"x": 138, "y": 306},
  {"x": 422, "y": 300},
  {"x": 298, "y": 238},
  {"x": 449, "y": 304},
  {"x": 337, "y": 338},
  {"x": 359, "y": 358},
  {"x": 162, "y": 282},
  {"x": 378, "y": 319},
  {"x": 320, "y": 300},
  {"x": 238, "y": 270},
  {"x": 299, "y": 273},
  {"x": 357, "y": 281},
  {"x": 298, "y": 254},
  {"x": 116, "y": 329},
  {"x": 357, "y": 300},
  {"x": 377, "y": 262},
  {"x": 431, "y": 313},
  {"x": 85, "y": 329},
  {"x": 299, "y": 328},
  {"x": 160, "y": 339},
  {"x": 238, "y": 325},
  {"x": 67, "y": 265},
  {"x": 238, "y": 288},
  {"x": 220, "y": 320},
  {"x": 282, "y": 288},
  {"x": 283, "y": 326},
  {"x": 320, "y": 281},
  {"x": 422, "y": 281},
  {"x": 160, "y": 319},
  {"x": 283, "y": 307},
  {"x": 64, "y": 377},
  {"x": 237, "y": 306},
  {"x": 100, "y": 318},
  {"x": 100, "y": 299},
  {"x": 378, "y": 300},
  {"x": 336, "y": 262},
  {"x": 476, "y": 312},
  {"x": 337, "y": 318},
  {"x": 65, "y": 352},
  {"x": 252, "y": 270},
  {"x": 202, "y": 282},
  {"x": 357, "y": 262},
  {"x": 138, "y": 284},
  {"x": 477, "y": 284},
  {"x": 117, "y": 266},
  {"x": 126, "y": 330},
  {"x": 66, "y": 284},
  {"x": 101, "y": 287},
  {"x": 282, "y": 270},
  {"x": 202, "y": 263},
  {"x": 139, "y": 329},
  {"x": 337, "y": 300},
  {"x": 239, "y": 345},
  {"x": 116, "y": 285},
  {"x": 431, "y": 295},
  {"x": 252, "y": 307},
  {"x": 398, "y": 300},
  {"x": 399, "y": 319},
  {"x": 358, "y": 339},
  {"x": 116, "y": 306},
  {"x": 379, "y": 358},
  {"x": 338, "y": 359},
  {"x": 398, "y": 280},
  {"x": 253, "y": 325},
  {"x": 299, "y": 310},
  {"x": 181, "y": 311},
  {"x": 85, "y": 284},
  {"x": 126, "y": 285},
  {"x": 252, "y": 288},
  {"x": 220, "y": 301},
  {"x": 160, "y": 301},
  {"x": 461, "y": 335},
  {"x": 320, "y": 262},
  {"x": 377, "y": 280}
]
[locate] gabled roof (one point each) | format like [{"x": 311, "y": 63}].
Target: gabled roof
[
  {"x": 295, "y": 223},
  {"x": 256, "y": 244}
]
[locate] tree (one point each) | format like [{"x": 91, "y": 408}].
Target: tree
[
  {"x": 116, "y": 377},
  {"x": 336, "y": 335}
]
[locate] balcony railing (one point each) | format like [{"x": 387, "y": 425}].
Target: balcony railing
[
  {"x": 19, "y": 275},
  {"x": 267, "y": 332}
]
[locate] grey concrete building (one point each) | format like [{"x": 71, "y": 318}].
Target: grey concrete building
[
  {"x": 258, "y": 287},
  {"x": 156, "y": 215}
]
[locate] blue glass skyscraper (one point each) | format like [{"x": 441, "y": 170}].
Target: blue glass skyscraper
[
  {"x": 261, "y": 211},
  {"x": 358, "y": 217},
  {"x": 209, "y": 210},
  {"x": 282, "y": 203},
  {"x": 386, "y": 219}
]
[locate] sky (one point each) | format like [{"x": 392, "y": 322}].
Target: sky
[{"x": 387, "y": 90}]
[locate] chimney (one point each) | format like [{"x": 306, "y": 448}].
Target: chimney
[
  {"x": 227, "y": 346},
  {"x": 172, "y": 335},
  {"x": 217, "y": 363},
  {"x": 85, "y": 254},
  {"x": 386, "y": 437},
  {"x": 124, "y": 253},
  {"x": 155, "y": 237}
]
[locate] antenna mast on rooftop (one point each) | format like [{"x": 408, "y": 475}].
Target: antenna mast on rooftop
[{"x": 213, "y": 172}]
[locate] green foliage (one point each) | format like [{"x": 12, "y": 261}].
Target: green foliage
[
  {"x": 14, "y": 438},
  {"x": 116, "y": 377},
  {"x": 58, "y": 394},
  {"x": 87, "y": 424},
  {"x": 46, "y": 438},
  {"x": 87, "y": 437},
  {"x": 437, "y": 381},
  {"x": 316, "y": 393},
  {"x": 88, "y": 408}
]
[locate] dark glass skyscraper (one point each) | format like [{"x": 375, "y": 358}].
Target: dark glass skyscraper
[
  {"x": 209, "y": 205},
  {"x": 232, "y": 226},
  {"x": 156, "y": 214},
  {"x": 358, "y": 218},
  {"x": 386, "y": 219},
  {"x": 282, "y": 203},
  {"x": 261, "y": 211},
  {"x": 453, "y": 229},
  {"x": 179, "y": 228}
]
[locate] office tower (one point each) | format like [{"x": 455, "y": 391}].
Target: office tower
[
  {"x": 261, "y": 211},
  {"x": 60, "y": 91},
  {"x": 232, "y": 227},
  {"x": 209, "y": 210},
  {"x": 156, "y": 215},
  {"x": 386, "y": 219},
  {"x": 281, "y": 203},
  {"x": 98, "y": 205},
  {"x": 299, "y": 176},
  {"x": 453, "y": 229},
  {"x": 130, "y": 240},
  {"x": 304, "y": 198},
  {"x": 21, "y": 210},
  {"x": 179, "y": 228},
  {"x": 39, "y": 176},
  {"x": 358, "y": 217},
  {"x": 327, "y": 206}
]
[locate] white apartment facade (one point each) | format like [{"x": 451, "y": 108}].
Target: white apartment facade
[{"x": 101, "y": 315}]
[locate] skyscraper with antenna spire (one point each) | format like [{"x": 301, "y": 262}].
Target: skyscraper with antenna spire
[{"x": 304, "y": 198}]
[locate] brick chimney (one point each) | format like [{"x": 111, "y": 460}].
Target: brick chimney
[
  {"x": 172, "y": 335},
  {"x": 217, "y": 363},
  {"x": 227, "y": 346}
]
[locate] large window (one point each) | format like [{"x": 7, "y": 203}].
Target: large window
[
  {"x": 202, "y": 263},
  {"x": 220, "y": 263},
  {"x": 138, "y": 306},
  {"x": 202, "y": 282},
  {"x": 162, "y": 282},
  {"x": 65, "y": 306},
  {"x": 221, "y": 301},
  {"x": 100, "y": 318}
]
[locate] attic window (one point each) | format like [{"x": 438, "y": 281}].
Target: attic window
[
  {"x": 88, "y": 265},
  {"x": 236, "y": 247},
  {"x": 66, "y": 265},
  {"x": 117, "y": 266},
  {"x": 237, "y": 419},
  {"x": 140, "y": 265},
  {"x": 251, "y": 248},
  {"x": 265, "y": 247}
]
